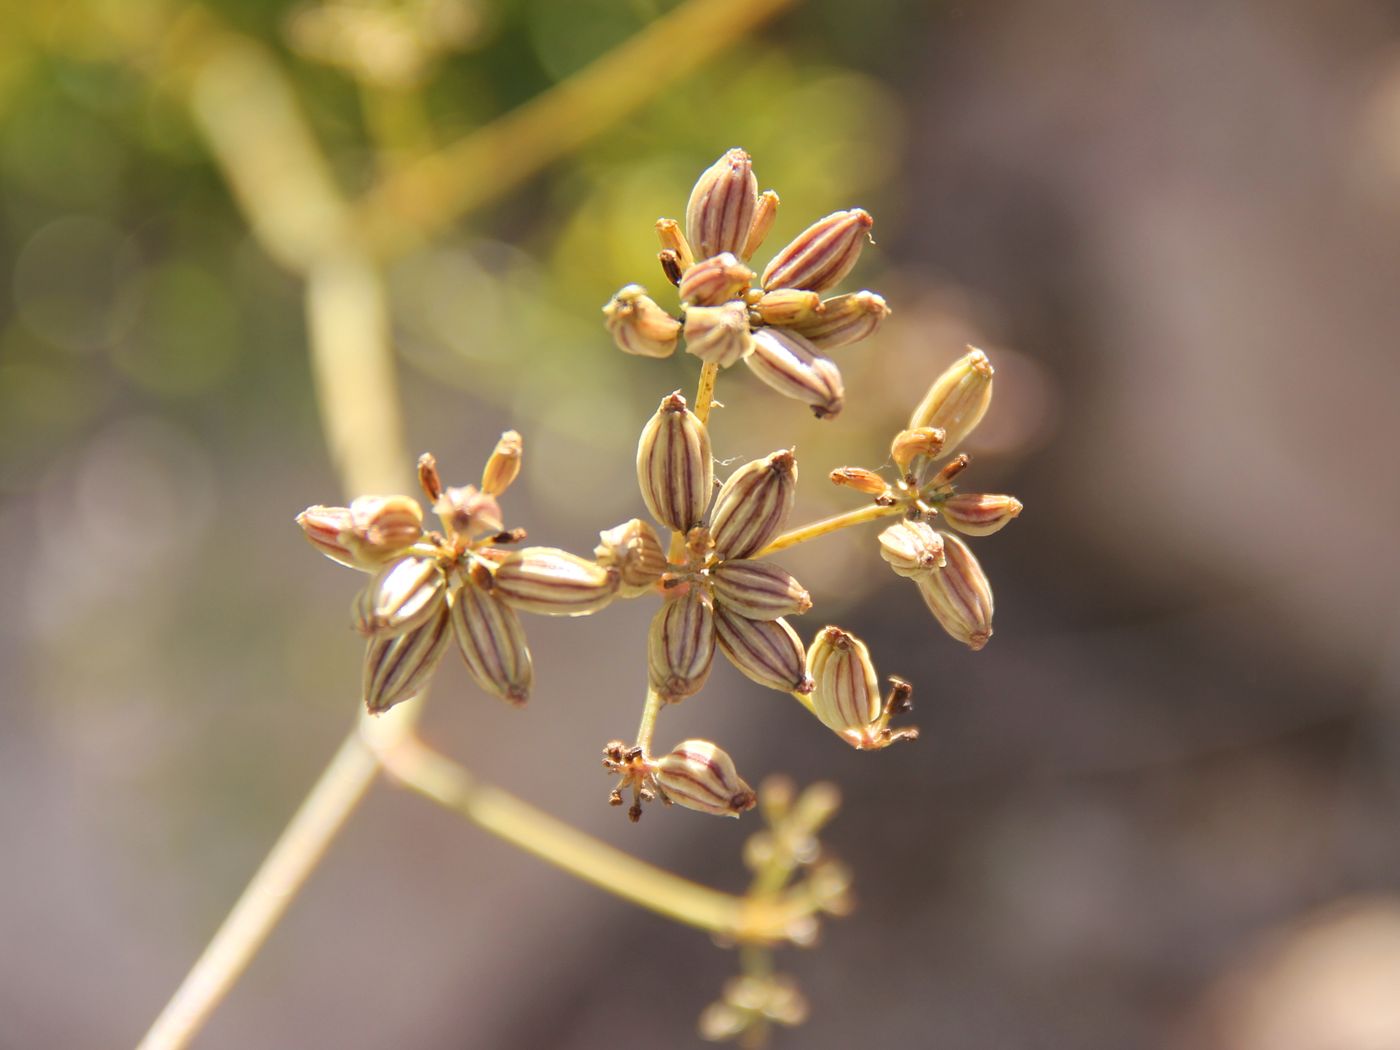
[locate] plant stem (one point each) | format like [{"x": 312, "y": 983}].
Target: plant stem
[
  {"x": 647, "y": 729},
  {"x": 705, "y": 392},
  {"x": 810, "y": 531}
]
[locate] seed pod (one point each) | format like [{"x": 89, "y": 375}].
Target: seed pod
[
  {"x": 718, "y": 334},
  {"x": 398, "y": 666},
  {"x": 721, "y": 207},
  {"x": 821, "y": 254},
  {"x": 504, "y": 465},
  {"x": 668, "y": 231},
  {"x": 468, "y": 514},
  {"x": 753, "y": 504},
  {"x": 846, "y": 691},
  {"x": 681, "y": 645},
  {"x": 758, "y": 590},
  {"x": 674, "y": 467},
  {"x": 429, "y": 480},
  {"x": 366, "y": 534},
  {"x": 324, "y": 528},
  {"x": 763, "y": 217},
  {"x": 913, "y": 548},
  {"x": 860, "y": 479},
  {"x": 639, "y": 326},
  {"x": 959, "y": 595},
  {"x": 958, "y": 399},
  {"x": 700, "y": 776},
  {"x": 400, "y": 596},
  {"x": 635, "y": 551},
  {"x": 714, "y": 281},
  {"x": 977, "y": 514},
  {"x": 492, "y": 643},
  {"x": 791, "y": 365},
  {"x": 765, "y": 651},
  {"x": 789, "y": 307},
  {"x": 910, "y": 444},
  {"x": 844, "y": 320},
  {"x": 552, "y": 582}
]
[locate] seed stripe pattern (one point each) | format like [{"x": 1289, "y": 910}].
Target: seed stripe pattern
[
  {"x": 765, "y": 651},
  {"x": 492, "y": 643},
  {"x": 791, "y": 365},
  {"x": 397, "y": 667},
  {"x": 821, "y": 254}
]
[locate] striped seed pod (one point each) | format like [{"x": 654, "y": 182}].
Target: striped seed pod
[
  {"x": 763, "y": 217},
  {"x": 860, "y": 479},
  {"x": 844, "y": 320},
  {"x": 674, "y": 467},
  {"x": 639, "y": 325},
  {"x": 959, "y": 595},
  {"x": 700, "y": 776},
  {"x": 668, "y": 231},
  {"x": 326, "y": 529},
  {"x": 718, "y": 334},
  {"x": 492, "y": 643},
  {"x": 552, "y": 582},
  {"x": 765, "y": 651},
  {"x": 758, "y": 590},
  {"x": 681, "y": 645},
  {"x": 846, "y": 693},
  {"x": 398, "y": 666},
  {"x": 913, "y": 548},
  {"x": 978, "y": 514},
  {"x": 720, "y": 212},
  {"x": 715, "y": 280},
  {"x": 910, "y": 444},
  {"x": 400, "y": 596},
  {"x": 635, "y": 551},
  {"x": 821, "y": 254},
  {"x": 789, "y": 307},
  {"x": 753, "y": 504},
  {"x": 793, "y": 367},
  {"x": 503, "y": 467},
  {"x": 958, "y": 399}
]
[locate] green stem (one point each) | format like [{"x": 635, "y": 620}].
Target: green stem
[{"x": 810, "y": 531}]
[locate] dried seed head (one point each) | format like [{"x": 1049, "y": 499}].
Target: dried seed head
[
  {"x": 765, "y": 651},
  {"x": 860, "y": 479},
  {"x": 821, "y": 254},
  {"x": 844, "y": 320},
  {"x": 721, "y": 208},
  {"x": 758, "y": 590},
  {"x": 492, "y": 643},
  {"x": 635, "y": 551},
  {"x": 668, "y": 231},
  {"x": 468, "y": 514},
  {"x": 503, "y": 466},
  {"x": 908, "y": 445},
  {"x": 978, "y": 514},
  {"x": 698, "y": 775},
  {"x": 959, "y": 595},
  {"x": 846, "y": 691},
  {"x": 325, "y": 528},
  {"x": 715, "y": 280},
  {"x": 428, "y": 477},
  {"x": 397, "y": 667},
  {"x": 718, "y": 334},
  {"x": 401, "y": 595},
  {"x": 789, "y": 307},
  {"x": 763, "y": 217},
  {"x": 553, "y": 582},
  {"x": 639, "y": 326},
  {"x": 958, "y": 399},
  {"x": 913, "y": 548},
  {"x": 674, "y": 466},
  {"x": 753, "y": 504},
  {"x": 681, "y": 644},
  {"x": 791, "y": 365}
]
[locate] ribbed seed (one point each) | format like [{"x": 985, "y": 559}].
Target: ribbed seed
[
  {"x": 324, "y": 528},
  {"x": 766, "y": 651},
  {"x": 715, "y": 280},
  {"x": 860, "y": 479},
  {"x": 400, "y": 596},
  {"x": 668, "y": 232},
  {"x": 674, "y": 466},
  {"x": 492, "y": 643},
  {"x": 846, "y": 692},
  {"x": 758, "y": 590},
  {"x": 913, "y": 548},
  {"x": 721, "y": 207},
  {"x": 792, "y": 366},
  {"x": 503, "y": 466},
  {"x": 553, "y": 582},
  {"x": 959, "y": 595},
  {"x": 681, "y": 645},
  {"x": 753, "y": 504},
  {"x": 821, "y": 254},
  {"x": 844, "y": 320},
  {"x": 978, "y": 514},
  {"x": 397, "y": 667},
  {"x": 789, "y": 307},
  {"x": 701, "y": 776},
  {"x": 763, "y": 217},
  {"x": 718, "y": 334},
  {"x": 908, "y": 445},
  {"x": 639, "y": 325},
  {"x": 635, "y": 551},
  {"x": 957, "y": 400}
]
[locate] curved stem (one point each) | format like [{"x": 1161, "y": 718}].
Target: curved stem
[
  {"x": 647, "y": 729},
  {"x": 705, "y": 392},
  {"x": 810, "y": 531}
]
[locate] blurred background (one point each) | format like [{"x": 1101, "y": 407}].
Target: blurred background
[{"x": 1161, "y": 809}]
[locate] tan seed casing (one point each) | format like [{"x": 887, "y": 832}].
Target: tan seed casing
[
  {"x": 979, "y": 514},
  {"x": 792, "y": 366},
  {"x": 821, "y": 254},
  {"x": 397, "y": 667},
  {"x": 846, "y": 692},
  {"x": 913, "y": 548},
  {"x": 639, "y": 325},
  {"x": 492, "y": 643},
  {"x": 718, "y": 334},
  {"x": 700, "y": 776},
  {"x": 400, "y": 596},
  {"x": 681, "y": 645},
  {"x": 844, "y": 320},
  {"x": 765, "y": 651},
  {"x": 720, "y": 211},
  {"x": 789, "y": 306},
  {"x": 957, "y": 400},
  {"x": 714, "y": 281},
  {"x": 674, "y": 467},
  {"x": 959, "y": 595},
  {"x": 753, "y": 504},
  {"x": 552, "y": 582},
  {"x": 758, "y": 590},
  {"x": 635, "y": 551},
  {"x": 503, "y": 466}
]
